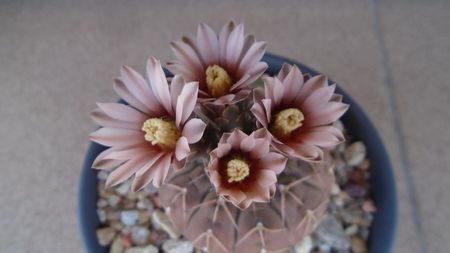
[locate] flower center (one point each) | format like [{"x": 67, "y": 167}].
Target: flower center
[
  {"x": 218, "y": 81},
  {"x": 161, "y": 132},
  {"x": 237, "y": 170},
  {"x": 287, "y": 121}
]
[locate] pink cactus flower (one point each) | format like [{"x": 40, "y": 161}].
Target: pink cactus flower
[
  {"x": 299, "y": 112},
  {"x": 223, "y": 64},
  {"x": 242, "y": 168},
  {"x": 150, "y": 135}
]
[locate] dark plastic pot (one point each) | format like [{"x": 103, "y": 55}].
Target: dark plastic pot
[{"x": 382, "y": 231}]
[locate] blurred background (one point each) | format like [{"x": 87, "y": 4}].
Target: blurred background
[{"x": 57, "y": 58}]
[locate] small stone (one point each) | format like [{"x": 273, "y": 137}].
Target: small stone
[
  {"x": 161, "y": 220},
  {"x": 144, "y": 217},
  {"x": 150, "y": 189},
  {"x": 357, "y": 176},
  {"x": 101, "y": 203},
  {"x": 355, "y": 153},
  {"x": 129, "y": 204},
  {"x": 101, "y": 215},
  {"x": 304, "y": 246},
  {"x": 156, "y": 201},
  {"x": 129, "y": 217},
  {"x": 355, "y": 190},
  {"x": 177, "y": 246},
  {"x": 123, "y": 188},
  {"x": 132, "y": 195},
  {"x": 147, "y": 249},
  {"x": 335, "y": 189},
  {"x": 112, "y": 215},
  {"x": 140, "y": 235},
  {"x": 105, "y": 235},
  {"x": 117, "y": 246},
  {"x": 369, "y": 206},
  {"x": 351, "y": 230},
  {"x": 113, "y": 200},
  {"x": 102, "y": 175},
  {"x": 358, "y": 244},
  {"x": 365, "y": 165},
  {"x": 158, "y": 237},
  {"x": 145, "y": 204},
  {"x": 364, "y": 232},
  {"x": 126, "y": 240},
  {"x": 331, "y": 234},
  {"x": 117, "y": 225}
]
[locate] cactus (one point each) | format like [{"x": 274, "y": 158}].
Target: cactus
[{"x": 215, "y": 225}]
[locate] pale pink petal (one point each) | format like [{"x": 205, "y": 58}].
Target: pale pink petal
[
  {"x": 248, "y": 143},
  {"x": 261, "y": 148},
  {"x": 179, "y": 165},
  {"x": 152, "y": 158},
  {"x": 278, "y": 91},
  {"x": 326, "y": 115},
  {"x": 125, "y": 171},
  {"x": 324, "y": 136},
  {"x": 180, "y": 69},
  {"x": 306, "y": 151},
  {"x": 241, "y": 83},
  {"x": 130, "y": 153},
  {"x": 117, "y": 137},
  {"x": 259, "y": 113},
  {"x": 163, "y": 171},
  {"x": 284, "y": 71},
  {"x": 215, "y": 178},
  {"x": 310, "y": 86},
  {"x": 235, "y": 195},
  {"x": 186, "y": 103},
  {"x": 256, "y": 71},
  {"x": 266, "y": 177},
  {"x": 158, "y": 83},
  {"x": 223, "y": 149},
  {"x": 187, "y": 56},
  {"x": 193, "y": 130},
  {"x": 140, "y": 89},
  {"x": 123, "y": 112},
  {"x": 101, "y": 163},
  {"x": 176, "y": 86},
  {"x": 100, "y": 118},
  {"x": 319, "y": 97},
  {"x": 235, "y": 138},
  {"x": 252, "y": 56},
  {"x": 182, "y": 149},
  {"x": 293, "y": 83},
  {"x": 267, "y": 105},
  {"x": 257, "y": 193},
  {"x": 123, "y": 92},
  {"x": 223, "y": 39},
  {"x": 234, "y": 46},
  {"x": 208, "y": 42},
  {"x": 154, "y": 173},
  {"x": 274, "y": 161}
]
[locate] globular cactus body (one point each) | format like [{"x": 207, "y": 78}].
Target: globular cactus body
[{"x": 215, "y": 225}]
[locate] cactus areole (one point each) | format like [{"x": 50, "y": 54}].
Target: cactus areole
[{"x": 240, "y": 159}]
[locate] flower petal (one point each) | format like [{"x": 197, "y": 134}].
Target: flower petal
[
  {"x": 182, "y": 149},
  {"x": 122, "y": 112},
  {"x": 326, "y": 115},
  {"x": 223, "y": 39},
  {"x": 235, "y": 138},
  {"x": 293, "y": 83},
  {"x": 100, "y": 118},
  {"x": 193, "y": 130},
  {"x": 186, "y": 102},
  {"x": 274, "y": 161},
  {"x": 252, "y": 56},
  {"x": 248, "y": 143},
  {"x": 123, "y": 92},
  {"x": 158, "y": 83},
  {"x": 125, "y": 171},
  {"x": 235, "y": 44},
  {"x": 318, "y": 98},
  {"x": 139, "y": 88},
  {"x": 156, "y": 173},
  {"x": 176, "y": 86},
  {"x": 187, "y": 56},
  {"x": 101, "y": 163},
  {"x": 259, "y": 113},
  {"x": 207, "y": 40},
  {"x": 119, "y": 138}
]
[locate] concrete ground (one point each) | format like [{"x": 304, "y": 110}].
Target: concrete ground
[{"x": 57, "y": 58}]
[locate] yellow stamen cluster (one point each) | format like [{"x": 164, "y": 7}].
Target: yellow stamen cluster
[
  {"x": 161, "y": 132},
  {"x": 218, "y": 81},
  {"x": 237, "y": 170},
  {"x": 286, "y": 122}
]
